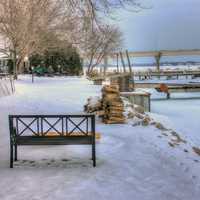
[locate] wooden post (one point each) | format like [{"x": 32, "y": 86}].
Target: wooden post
[
  {"x": 131, "y": 71},
  {"x": 105, "y": 65},
  {"x": 118, "y": 63},
  {"x": 122, "y": 61},
  {"x": 101, "y": 71},
  {"x": 129, "y": 63},
  {"x": 158, "y": 57}
]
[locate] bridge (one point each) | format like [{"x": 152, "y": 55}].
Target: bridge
[{"x": 159, "y": 54}]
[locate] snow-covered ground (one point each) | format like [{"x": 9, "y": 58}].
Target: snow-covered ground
[
  {"x": 181, "y": 80},
  {"x": 133, "y": 162},
  {"x": 183, "y": 112},
  {"x": 137, "y": 68}
]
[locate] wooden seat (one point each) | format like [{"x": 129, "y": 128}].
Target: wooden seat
[
  {"x": 76, "y": 134},
  {"x": 53, "y": 140}
]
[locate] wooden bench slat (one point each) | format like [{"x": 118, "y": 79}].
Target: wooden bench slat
[
  {"x": 77, "y": 134},
  {"x": 53, "y": 140}
]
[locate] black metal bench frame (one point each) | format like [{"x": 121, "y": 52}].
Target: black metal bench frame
[{"x": 39, "y": 136}]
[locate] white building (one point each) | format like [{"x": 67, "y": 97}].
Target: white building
[{"x": 3, "y": 56}]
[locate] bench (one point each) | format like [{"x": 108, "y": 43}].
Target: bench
[
  {"x": 175, "y": 88},
  {"x": 51, "y": 130}
]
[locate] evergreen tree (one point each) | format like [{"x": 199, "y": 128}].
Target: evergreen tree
[{"x": 60, "y": 60}]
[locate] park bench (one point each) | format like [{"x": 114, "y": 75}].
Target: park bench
[
  {"x": 175, "y": 88},
  {"x": 51, "y": 130}
]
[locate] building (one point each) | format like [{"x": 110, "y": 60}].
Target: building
[{"x": 3, "y": 56}]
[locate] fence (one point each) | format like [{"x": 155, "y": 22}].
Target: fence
[{"x": 7, "y": 86}]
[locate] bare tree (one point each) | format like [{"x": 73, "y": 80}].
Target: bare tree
[
  {"x": 31, "y": 25},
  {"x": 99, "y": 43},
  {"x": 92, "y": 7},
  {"x": 97, "y": 38},
  {"x": 23, "y": 21}
]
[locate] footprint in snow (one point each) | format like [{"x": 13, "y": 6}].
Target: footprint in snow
[
  {"x": 181, "y": 164},
  {"x": 186, "y": 151},
  {"x": 65, "y": 160},
  {"x": 194, "y": 177},
  {"x": 186, "y": 169}
]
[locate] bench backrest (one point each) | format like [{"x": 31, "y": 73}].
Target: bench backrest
[{"x": 43, "y": 125}]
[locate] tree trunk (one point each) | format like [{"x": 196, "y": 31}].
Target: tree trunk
[
  {"x": 15, "y": 70},
  {"x": 20, "y": 65},
  {"x": 90, "y": 65}
]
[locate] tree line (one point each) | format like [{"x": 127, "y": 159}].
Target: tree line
[{"x": 34, "y": 27}]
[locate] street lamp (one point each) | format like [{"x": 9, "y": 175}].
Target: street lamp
[
  {"x": 26, "y": 63},
  {"x": 32, "y": 70}
]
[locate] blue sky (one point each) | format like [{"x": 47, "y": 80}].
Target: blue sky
[{"x": 169, "y": 24}]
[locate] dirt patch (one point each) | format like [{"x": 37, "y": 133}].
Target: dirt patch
[
  {"x": 171, "y": 144},
  {"x": 160, "y": 126},
  {"x": 177, "y": 138},
  {"x": 196, "y": 150}
]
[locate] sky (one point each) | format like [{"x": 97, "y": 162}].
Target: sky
[{"x": 166, "y": 25}]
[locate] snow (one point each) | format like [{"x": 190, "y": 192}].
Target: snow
[
  {"x": 138, "y": 92},
  {"x": 5, "y": 87},
  {"x": 184, "y": 116},
  {"x": 138, "y": 68},
  {"x": 181, "y": 80},
  {"x": 132, "y": 162}
]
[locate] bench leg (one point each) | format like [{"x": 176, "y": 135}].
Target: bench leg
[
  {"x": 11, "y": 155},
  {"x": 168, "y": 95},
  {"x": 15, "y": 152},
  {"x": 93, "y": 155}
]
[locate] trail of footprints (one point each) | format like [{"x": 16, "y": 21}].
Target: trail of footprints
[
  {"x": 182, "y": 165},
  {"x": 44, "y": 163}
]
